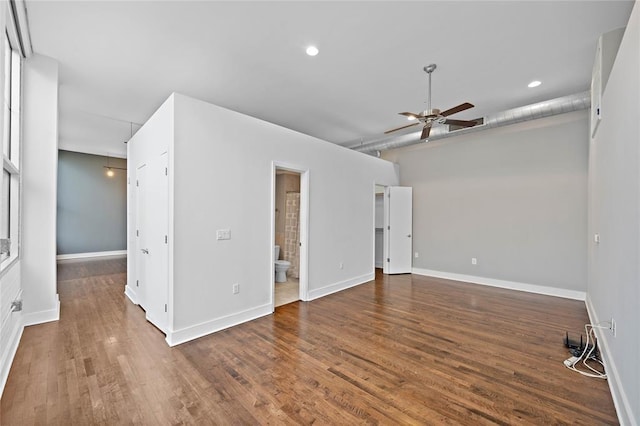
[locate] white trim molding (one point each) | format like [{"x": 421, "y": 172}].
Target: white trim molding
[
  {"x": 199, "y": 330},
  {"x": 511, "y": 285},
  {"x": 339, "y": 286},
  {"x": 131, "y": 294},
  {"x": 73, "y": 256},
  {"x": 620, "y": 398}
]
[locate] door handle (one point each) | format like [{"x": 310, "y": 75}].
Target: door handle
[
  {"x": 145, "y": 251},
  {"x": 409, "y": 236}
]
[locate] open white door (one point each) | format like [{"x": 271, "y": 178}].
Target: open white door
[{"x": 398, "y": 229}]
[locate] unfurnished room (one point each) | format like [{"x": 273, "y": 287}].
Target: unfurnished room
[{"x": 320, "y": 212}]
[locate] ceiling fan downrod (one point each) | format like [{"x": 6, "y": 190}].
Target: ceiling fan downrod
[{"x": 429, "y": 69}]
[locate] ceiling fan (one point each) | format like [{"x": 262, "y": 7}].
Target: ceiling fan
[{"x": 430, "y": 116}]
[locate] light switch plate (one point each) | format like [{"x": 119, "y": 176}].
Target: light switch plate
[{"x": 223, "y": 234}]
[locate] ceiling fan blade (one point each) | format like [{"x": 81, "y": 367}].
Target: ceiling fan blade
[
  {"x": 403, "y": 127},
  {"x": 463, "y": 123},
  {"x": 455, "y": 109},
  {"x": 411, "y": 115},
  {"x": 425, "y": 131}
]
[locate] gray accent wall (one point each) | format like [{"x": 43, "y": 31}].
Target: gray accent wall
[
  {"x": 514, "y": 198},
  {"x": 92, "y": 207},
  {"x": 614, "y": 213}
]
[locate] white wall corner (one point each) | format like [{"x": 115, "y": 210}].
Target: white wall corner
[
  {"x": 339, "y": 286},
  {"x": 199, "y": 330},
  {"x": 510, "y": 285},
  {"x": 40, "y": 317},
  {"x": 620, "y": 398}
]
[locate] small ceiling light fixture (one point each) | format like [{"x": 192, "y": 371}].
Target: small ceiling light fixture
[
  {"x": 312, "y": 51},
  {"x": 534, "y": 83}
]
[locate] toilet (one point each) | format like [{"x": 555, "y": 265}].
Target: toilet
[{"x": 281, "y": 266}]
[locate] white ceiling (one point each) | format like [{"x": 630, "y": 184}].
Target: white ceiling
[{"x": 119, "y": 60}]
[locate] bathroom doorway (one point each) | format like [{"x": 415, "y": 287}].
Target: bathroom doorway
[{"x": 288, "y": 212}]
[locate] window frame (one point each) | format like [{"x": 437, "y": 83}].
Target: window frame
[{"x": 11, "y": 129}]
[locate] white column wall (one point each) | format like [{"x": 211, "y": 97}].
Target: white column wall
[{"x": 39, "y": 186}]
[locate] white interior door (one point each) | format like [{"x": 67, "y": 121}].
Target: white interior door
[
  {"x": 398, "y": 229},
  {"x": 141, "y": 234},
  {"x": 157, "y": 220}
]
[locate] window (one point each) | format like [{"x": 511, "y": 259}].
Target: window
[{"x": 10, "y": 178}]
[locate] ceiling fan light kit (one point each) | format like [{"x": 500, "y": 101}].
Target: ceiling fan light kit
[{"x": 433, "y": 115}]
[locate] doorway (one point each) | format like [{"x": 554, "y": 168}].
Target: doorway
[
  {"x": 289, "y": 228},
  {"x": 379, "y": 227},
  {"x": 393, "y": 224}
]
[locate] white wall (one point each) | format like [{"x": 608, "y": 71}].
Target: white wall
[
  {"x": 512, "y": 197},
  {"x": 39, "y": 177},
  {"x": 614, "y": 213},
  {"x": 222, "y": 178}
]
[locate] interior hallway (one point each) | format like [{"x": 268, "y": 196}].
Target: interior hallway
[{"x": 402, "y": 349}]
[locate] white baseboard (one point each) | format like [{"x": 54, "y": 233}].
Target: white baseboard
[
  {"x": 511, "y": 285},
  {"x": 35, "y": 318},
  {"x": 131, "y": 294},
  {"x": 195, "y": 331},
  {"x": 620, "y": 398},
  {"x": 9, "y": 352},
  {"x": 73, "y": 256},
  {"x": 342, "y": 285}
]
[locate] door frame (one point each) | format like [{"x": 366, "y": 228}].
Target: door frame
[{"x": 303, "y": 280}]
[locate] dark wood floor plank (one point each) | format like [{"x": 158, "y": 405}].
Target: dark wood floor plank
[{"x": 401, "y": 350}]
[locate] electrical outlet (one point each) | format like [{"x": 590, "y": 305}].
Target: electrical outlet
[
  {"x": 341, "y": 265},
  {"x": 612, "y": 327},
  {"x": 474, "y": 261},
  {"x": 236, "y": 288},
  {"x": 417, "y": 255},
  {"x": 596, "y": 238}
]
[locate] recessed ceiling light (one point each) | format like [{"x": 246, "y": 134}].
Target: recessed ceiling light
[
  {"x": 534, "y": 83},
  {"x": 312, "y": 51}
]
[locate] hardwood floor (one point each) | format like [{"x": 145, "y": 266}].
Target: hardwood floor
[{"x": 401, "y": 350}]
